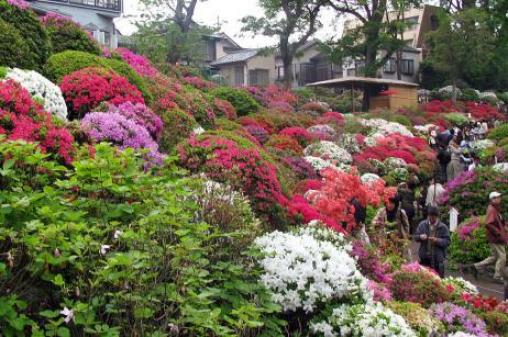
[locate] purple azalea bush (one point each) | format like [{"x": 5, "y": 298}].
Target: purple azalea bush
[
  {"x": 117, "y": 129},
  {"x": 141, "y": 115},
  {"x": 257, "y": 132},
  {"x": 457, "y": 318},
  {"x": 301, "y": 167}
]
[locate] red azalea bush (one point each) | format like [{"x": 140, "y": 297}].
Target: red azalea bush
[
  {"x": 224, "y": 160},
  {"x": 198, "y": 82},
  {"x": 483, "y": 111},
  {"x": 258, "y": 121},
  {"x": 22, "y": 118},
  {"x": 339, "y": 188},
  {"x": 308, "y": 185},
  {"x": 224, "y": 108},
  {"x": 303, "y": 212},
  {"x": 85, "y": 89},
  {"x": 481, "y": 302},
  {"x": 418, "y": 286},
  {"x": 302, "y": 135},
  {"x": 285, "y": 144},
  {"x": 331, "y": 117},
  {"x": 437, "y": 106}
]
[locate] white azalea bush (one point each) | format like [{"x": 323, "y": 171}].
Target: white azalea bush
[
  {"x": 349, "y": 143},
  {"x": 369, "y": 178},
  {"x": 319, "y": 164},
  {"x": 482, "y": 144},
  {"x": 501, "y": 167},
  {"x": 382, "y": 127},
  {"x": 304, "y": 269},
  {"x": 363, "y": 320},
  {"x": 40, "y": 88},
  {"x": 393, "y": 163},
  {"x": 329, "y": 151},
  {"x": 461, "y": 285}
]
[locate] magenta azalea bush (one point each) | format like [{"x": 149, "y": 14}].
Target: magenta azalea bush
[
  {"x": 118, "y": 130},
  {"x": 139, "y": 63},
  {"x": 141, "y": 115}
]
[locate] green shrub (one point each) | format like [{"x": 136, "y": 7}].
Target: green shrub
[
  {"x": 503, "y": 142},
  {"x": 456, "y": 118},
  {"x": 503, "y": 96},
  {"x": 475, "y": 249},
  {"x": 469, "y": 95},
  {"x": 69, "y": 61},
  {"x": 125, "y": 249},
  {"x": 499, "y": 133},
  {"x": 34, "y": 38},
  {"x": 417, "y": 317},
  {"x": 68, "y": 35},
  {"x": 242, "y": 101},
  {"x": 14, "y": 52},
  {"x": 178, "y": 125},
  {"x": 497, "y": 322}
]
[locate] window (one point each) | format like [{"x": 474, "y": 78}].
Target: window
[
  {"x": 407, "y": 67},
  {"x": 390, "y": 66},
  {"x": 258, "y": 77},
  {"x": 411, "y": 22},
  {"x": 239, "y": 76}
]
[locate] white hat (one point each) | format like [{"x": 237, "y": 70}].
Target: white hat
[{"x": 493, "y": 195}]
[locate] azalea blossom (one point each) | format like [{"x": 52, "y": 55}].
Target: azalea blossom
[
  {"x": 117, "y": 234},
  {"x": 104, "y": 249},
  {"x": 68, "y": 314}
]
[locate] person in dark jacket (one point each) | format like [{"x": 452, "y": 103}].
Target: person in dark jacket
[
  {"x": 360, "y": 218},
  {"x": 497, "y": 236},
  {"x": 434, "y": 239},
  {"x": 444, "y": 156}
]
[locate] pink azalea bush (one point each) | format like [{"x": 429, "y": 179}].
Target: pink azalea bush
[{"x": 139, "y": 63}]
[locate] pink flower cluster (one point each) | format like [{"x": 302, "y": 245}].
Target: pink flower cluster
[
  {"x": 225, "y": 108},
  {"x": 18, "y": 3},
  {"x": 57, "y": 20},
  {"x": 85, "y": 89},
  {"x": 198, "y": 82},
  {"x": 139, "y": 63},
  {"x": 22, "y": 118},
  {"x": 141, "y": 115}
]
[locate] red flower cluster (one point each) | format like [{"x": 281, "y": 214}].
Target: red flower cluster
[
  {"x": 198, "y": 82},
  {"x": 224, "y": 108},
  {"x": 22, "y": 118},
  {"x": 286, "y": 144},
  {"x": 300, "y": 134},
  {"x": 437, "y": 106},
  {"x": 299, "y": 207},
  {"x": 248, "y": 120},
  {"x": 339, "y": 189},
  {"x": 225, "y": 161},
  {"x": 481, "y": 302},
  {"x": 85, "y": 89},
  {"x": 483, "y": 111},
  {"x": 331, "y": 117}
]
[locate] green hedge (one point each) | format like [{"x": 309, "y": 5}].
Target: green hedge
[
  {"x": 241, "y": 99},
  {"x": 31, "y": 31},
  {"x": 66, "y": 62},
  {"x": 499, "y": 133},
  {"x": 14, "y": 52},
  {"x": 70, "y": 36}
]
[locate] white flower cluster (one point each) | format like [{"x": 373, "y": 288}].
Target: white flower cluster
[
  {"x": 322, "y": 129},
  {"x": 384, "y": 128},
  {"x": 302, "y": 271},
  {"x": 424, "y": 129},
  {"x": 482, "y": 144},
  {"x": 464, "y": 285},
  {"x": 198, "y": 130},
  {"x": 41, "y": 88},
  {"x": 393, "y": 163},
  {"x": 363, "y": 320},
  {"x": 319, "y": 164},
  {"x": 329, "y": 151},
  {"x": 349, "y": 143},
  {"x": 501, "y": 167},
  {"x": 369, "y": 178}
]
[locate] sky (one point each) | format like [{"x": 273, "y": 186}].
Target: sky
[{"x": 228, "y": 13}]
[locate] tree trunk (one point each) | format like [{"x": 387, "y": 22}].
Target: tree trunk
[
  {"x": 370, "y": 71},
  {"x": 398, "y": 64},
  {"x": 287, "y": 63}
]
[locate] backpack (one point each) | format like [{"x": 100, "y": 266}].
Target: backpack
[{"x": 444, "y": 156}]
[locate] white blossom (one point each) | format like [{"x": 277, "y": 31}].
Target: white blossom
[
  {"x": 465, "y": 285},
  {"x": 393, "y": 163},
  {"x": 198, "y": 130},
  {"x": 104, "y": 249},
  {"x": 501, "y": 167},
  {"x": 461, "y": 334},
  {"x": 482, "y": 144},
  {"x": 68, "y": 314},
  {"x": 302, "y": 271},
  {"x": 319, "y": 164},
  {"x": 382, "y": 127},
  {"x": 117, "y": 234},
  {"x": 329, "y": 151},
  {"x": 40, "y": 87},
  {"x": 363, "y": 320},
  {"x": 369, "y": 178}
]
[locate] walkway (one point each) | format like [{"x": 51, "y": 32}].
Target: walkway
[{"x": 484, "y": 284}]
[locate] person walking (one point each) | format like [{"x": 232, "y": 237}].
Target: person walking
[
  {"x": 497, "y": 236},
  {"x": 455, "y": 166},
  {"x": 391, "y": 221},
  {"x": 434, "y": 192},
  {"x": 407, "y": 198},
  {"x": 360, "y": 215},
  {"x": 434, "y": 239},
  {"x": 444, "y": 157}
]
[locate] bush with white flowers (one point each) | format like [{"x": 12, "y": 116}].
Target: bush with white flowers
[
  {"x": 322, "y": 129},
  {"x": 304, "y": 269},
  {"x": 463, "y": 285},
  {"x": 369, "y": 178},
  {"x": 41, "y": 88},
  {"x": 482, "y": 144},
  {"x": 319, "y": 164},
  {"x": 329, "y": 151},
  {"x": 349, "y": 143},
  {"x": 461, "y": 334},
  {"x": 501, "y": 167},
  {"x": 382, "y": 127},
  {"x": 363, "y": 320},
  {"x": 393, "y": 163}
]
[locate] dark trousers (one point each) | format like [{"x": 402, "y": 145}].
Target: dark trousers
[
  {"x": 434, "y": 263},
  {"x": 443, "y": 174}
]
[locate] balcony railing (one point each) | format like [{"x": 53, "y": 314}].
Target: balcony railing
[{"x": 110, "y": 5}]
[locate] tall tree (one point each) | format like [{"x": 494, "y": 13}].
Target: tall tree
[
  {"x": 170, "y": 23},
  {"x": 292, "y": 21},
  {"x": 372, "y": 34},
  {"x": 464, "y": 48}
]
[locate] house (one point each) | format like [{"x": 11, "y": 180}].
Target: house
[
  {"x": 420, "y": 21},
  {"x": 216, "y": 46},
  {"x": 309, "y": 65},
  {"x": 96, "y": 16},
  {"x": 245, "y": 67}
]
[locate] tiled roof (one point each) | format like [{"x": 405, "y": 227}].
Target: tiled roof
[{"x": 238, "y": 56}]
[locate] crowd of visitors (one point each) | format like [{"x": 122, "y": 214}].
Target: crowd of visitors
[{"x": 411, "y": 217}]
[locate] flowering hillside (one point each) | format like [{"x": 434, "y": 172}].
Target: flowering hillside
[{"x": 141, "y": 202}]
